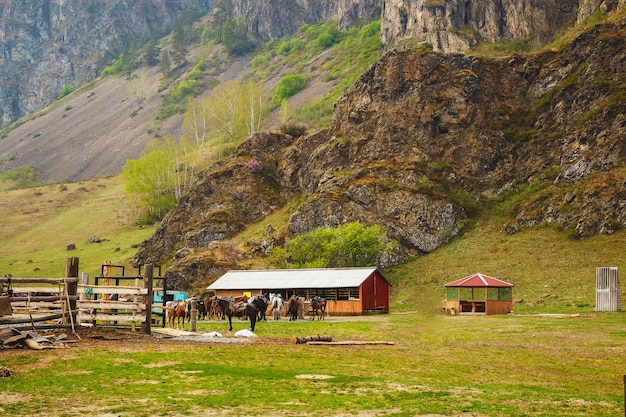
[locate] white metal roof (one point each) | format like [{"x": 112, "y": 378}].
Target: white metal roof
[{"x": 292, "y": 278}]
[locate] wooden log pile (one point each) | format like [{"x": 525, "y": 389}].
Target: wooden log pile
[{"x": 11, "y": 338}]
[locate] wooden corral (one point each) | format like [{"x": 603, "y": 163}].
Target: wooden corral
[
  {"x": 65, "y": 302},
  {"x": 348, "y": 291},
  {"x": 480, "y": 295}
]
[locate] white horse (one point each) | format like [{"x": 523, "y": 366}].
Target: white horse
[{"x": 276, "y": 301}]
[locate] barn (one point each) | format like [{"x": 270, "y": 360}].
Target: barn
[
  {"x": 348, "y": 291},
  {"x": 479, "y": 294}
]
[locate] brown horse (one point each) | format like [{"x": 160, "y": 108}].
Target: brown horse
[
  {"x": 176, "y": 310},
  {"x": 318, "y": 306}
]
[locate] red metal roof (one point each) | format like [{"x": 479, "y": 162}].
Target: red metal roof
[{"x": 479, "y": 280}]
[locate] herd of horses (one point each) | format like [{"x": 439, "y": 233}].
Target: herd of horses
[{"x": 255, "y": 309}]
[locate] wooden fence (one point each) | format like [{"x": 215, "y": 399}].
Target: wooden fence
[{"x": 66, "y": 302}]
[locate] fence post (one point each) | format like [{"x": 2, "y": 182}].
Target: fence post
[
  {"x": 148, "y": 278},
  {"x": 71, "y": 271},
  {"x": 194, "y": 314}
]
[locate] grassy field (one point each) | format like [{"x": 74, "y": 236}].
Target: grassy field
[
  {"x": 39, "y": 223},
  {"x": 521, "y": 365}
]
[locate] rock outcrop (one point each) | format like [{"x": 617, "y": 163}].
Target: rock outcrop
[
  {"x": 457, "y": 25},
  {"x": 421, "y": 142}
]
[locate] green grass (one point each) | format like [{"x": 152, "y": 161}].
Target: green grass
[{"x": 483, "y": 366}]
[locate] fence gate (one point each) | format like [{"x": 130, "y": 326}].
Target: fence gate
[{"x": 607, "y": 289}]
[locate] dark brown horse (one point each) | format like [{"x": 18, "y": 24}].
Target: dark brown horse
[
  {"x": 292, "y": 308},
  {"x": 318, "y": 306},
  {"x": 230, "y": 309}
]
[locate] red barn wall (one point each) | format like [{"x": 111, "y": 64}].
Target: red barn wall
[{"x": 374, "y": 293}]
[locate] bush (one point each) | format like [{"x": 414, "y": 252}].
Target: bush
[
  {"x": 287, "y": 87},
  {"x": 66, "y": 90},
  {"x": 349, "y": 245},
  {"x": 294, "y": 129}
]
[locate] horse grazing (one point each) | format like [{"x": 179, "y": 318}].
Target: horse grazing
[
  {"x": 261, "y": 304},
  {"x": 276, "y": 301},
  {"x": 176, "y": 310},
  {"x": 230, "y": 309},
  {"x": 292, "y": 308},
  {"x": 318, "y": 305}
]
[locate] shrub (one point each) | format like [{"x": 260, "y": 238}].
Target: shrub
[
  {"x": 66, "y": 90},
  {"x": 287, "y": 87},
  {"x": 294, "y": 129}
]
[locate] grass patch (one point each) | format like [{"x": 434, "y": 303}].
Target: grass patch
[{"x": 495, "y": 366}]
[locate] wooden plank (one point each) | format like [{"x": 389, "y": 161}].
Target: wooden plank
[
  {"x": 114, "y": 290},
  {"x": 42, "y": 298},
  {"x": 127, "y": 287},
  {"x": 17, "y": 281},
  {"x": 119, "y": 305},
  {"x": 26, "y": 319},
  {"x": 28, "y": 290},
  {"x": 111, "y": 317},
  {"x": 168, "y": 331}
]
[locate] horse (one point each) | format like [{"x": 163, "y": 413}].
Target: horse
[
  {"x": 292, "y": 309},
  {"x": 318, "y": 304},
  {"x": 261, "y": 304},
  {"x": 276, "y": 301},
  {"x": 231, "y": 309},
  {"x": 201, "y": 310},
  {"x": 176, "y": 310},
  {"x": 213, "y": 309}
]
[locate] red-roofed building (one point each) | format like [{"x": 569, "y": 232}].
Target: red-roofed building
[{"x": 479, "y": 294}]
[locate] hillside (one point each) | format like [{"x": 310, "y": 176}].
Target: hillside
[{"x": 423, "y": 145}]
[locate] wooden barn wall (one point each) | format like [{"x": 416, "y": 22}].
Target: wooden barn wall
[{"x": 344, "y": 308}]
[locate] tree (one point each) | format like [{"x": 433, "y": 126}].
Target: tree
[
  {"x": 231, "y": 113},
  {"x": 222, "y": 12},
  {"x": 165, "y": 66},
  {"x": 161, "y": 176},
  {"x": 139, "y": 85},
  {"x": 150, "y": 179},
  {"x": 349, "y": 245}
]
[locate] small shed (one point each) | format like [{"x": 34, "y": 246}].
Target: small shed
[
  {"x": 479, "y": 294},
  {"x": 348, "y": 291}
]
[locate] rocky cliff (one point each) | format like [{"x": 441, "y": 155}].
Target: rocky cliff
[
  {"x": 267, "y": 20},
  {"x": 421, "y": 143},
  {"x": 458, "y": 25},
  {"x": 47, "y": 44}
]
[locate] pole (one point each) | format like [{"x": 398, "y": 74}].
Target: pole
[
  {"x": 71, "y": 288},
  {"x": 148, "y": 279},
  {"x": 194, "y": 314}
]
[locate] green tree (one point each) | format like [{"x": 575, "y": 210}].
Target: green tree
[
  {"x": 222, "y": 12},
  {"x": 349, "y": 245},
  {"x": 165, "y": 66},
  {"x": 149, "y": 178},
  {"x": 161, "y": 176}
]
